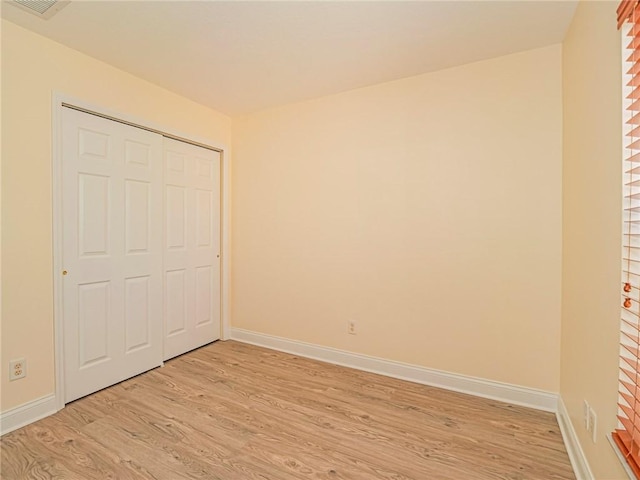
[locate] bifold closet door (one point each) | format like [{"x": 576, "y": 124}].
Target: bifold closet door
[
  {"x": 192, "y": 247},
  {"x": 112, "y": 251}
]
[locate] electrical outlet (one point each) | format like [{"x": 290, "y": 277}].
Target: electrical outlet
[
  {"x": 17, "y": 369},
  {"x": 351, "y": 327},
  {"x": 585, "y": 415},
  {"x": 593, "y": 424}
]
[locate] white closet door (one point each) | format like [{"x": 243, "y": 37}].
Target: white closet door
[
  {"x": 192, "y": 247},
  {"x": 112, "y": 252}
]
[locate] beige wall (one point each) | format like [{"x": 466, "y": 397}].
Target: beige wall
[
  {"x": 591, "y": 226},
  {"x": 426, "y": 209},
  {"x": 33, "y": 67}
]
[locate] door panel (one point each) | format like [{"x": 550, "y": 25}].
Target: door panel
[
  {"x": 93, "y": 196},
  {"x": 137, "y": 154},
  {"x": 138, "y": 220},
  {"x": 93, "y": 145},
  {"x": 137, "y": 312},
  {"x": 176, "y": 217},
  {"x": 175, "y": 302},
  {"x": 203, "y": 218},
  {"x": 203, "y": 295},
  {"x": 93, "y": 322},
  {"x": 192, "y": 247},
  {"x": 112, "y": 250}
]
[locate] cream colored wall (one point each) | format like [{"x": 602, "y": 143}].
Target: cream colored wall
[
  {"x": 427, "y": 209},
  {"x": 33, "y": 67},
  {"x": 591, "y": 227}
]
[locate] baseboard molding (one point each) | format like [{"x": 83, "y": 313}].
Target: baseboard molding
[
  {"x": 513, "y": 394},
  {"x": 28, "y": 413},
  {"x": 571, "y": 442}
]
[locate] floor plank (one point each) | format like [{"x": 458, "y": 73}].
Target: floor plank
[{"x": 234, "y": 411}]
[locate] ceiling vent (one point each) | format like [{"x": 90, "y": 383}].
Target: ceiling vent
[{"x": 40, "y": 8}]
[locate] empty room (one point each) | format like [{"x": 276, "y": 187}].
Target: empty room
[{"x": 320, "y": 239}]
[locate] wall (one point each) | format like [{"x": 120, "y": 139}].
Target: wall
[
  {"x": 33, "y": 67},
  {"x": 591, "y": 226},
  {"x": 426, "y": 209}
]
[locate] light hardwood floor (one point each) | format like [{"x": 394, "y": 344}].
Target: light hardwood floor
[{"x": 235, "y": 411}]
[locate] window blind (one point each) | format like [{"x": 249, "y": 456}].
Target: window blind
[
  {"x": 627, "y": 436},
  {"x": 625, "y": 10}
]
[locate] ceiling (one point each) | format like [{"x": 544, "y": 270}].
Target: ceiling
[{"x": 242, "y": 56}]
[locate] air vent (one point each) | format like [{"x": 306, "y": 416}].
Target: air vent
[{"x": 40, "y": 8}]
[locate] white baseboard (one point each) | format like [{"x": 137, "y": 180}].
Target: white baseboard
[
  {"x": 504, "y": 392},
  {"x": 28, "y": 413},
  {"x": 571, "y": 442}
]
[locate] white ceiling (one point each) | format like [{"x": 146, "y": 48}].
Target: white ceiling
[{"x": 240, "y": 56}]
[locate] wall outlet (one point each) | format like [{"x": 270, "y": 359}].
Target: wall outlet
[
  {"x": 17, "y": 369},
  {"x": 352, "y": 327},
  {"x": 585, "y": 415},
  {"x": 593, "y": 424}
]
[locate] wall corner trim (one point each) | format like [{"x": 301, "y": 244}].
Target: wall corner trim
[
  {"x": 517, "y": 395},
  {"x": 574, "y": 449},
  {"x": 27, "y": 413}
]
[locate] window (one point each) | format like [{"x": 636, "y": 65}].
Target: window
[{"x": 627, "y": 436}]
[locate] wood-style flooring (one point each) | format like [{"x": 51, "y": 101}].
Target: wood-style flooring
[{"x": 234, "y": 411}]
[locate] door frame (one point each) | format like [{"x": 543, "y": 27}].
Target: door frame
[{"x": 59, "y": 101}]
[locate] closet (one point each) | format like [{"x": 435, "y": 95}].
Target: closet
[{"x": 140, "y": 250}]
